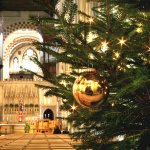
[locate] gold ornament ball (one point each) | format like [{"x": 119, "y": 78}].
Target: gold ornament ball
[{"x": 90, "y": 89}]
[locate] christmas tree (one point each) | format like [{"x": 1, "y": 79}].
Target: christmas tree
[{"x": 114, "y": 42}]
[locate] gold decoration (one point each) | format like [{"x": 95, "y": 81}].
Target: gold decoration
[{"x": 90, "y": 89}]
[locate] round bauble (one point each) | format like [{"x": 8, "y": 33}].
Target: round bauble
[{"x": 90, "y": 89}]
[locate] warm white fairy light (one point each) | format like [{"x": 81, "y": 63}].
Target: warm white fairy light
[
  {"x": 73, "y": 107},
  {"x": 115, "y": 10},
  {"x": 117, "y": 55},
  {"x": 63, "y": 82},
  {"x": 139, "y": 30},
  {"x": 91, "y": 20},
  {"x": 91, "y": 56},
  {"x": 121, "y": 68},
  {"x": 140, "y": 24},
  {"x": 122, "y": 41},
  {"x": 113, "y": 104},
  {"x": 127, "y": 20},
  {"x": 91, "y": 36},
  {"x": 104, "y": 46},
  {"x": 120, "y": 138}
]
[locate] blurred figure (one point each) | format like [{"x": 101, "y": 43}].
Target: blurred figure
[
  {"x": 65, "y": 131},
  {"x": 57, "y": 130}
]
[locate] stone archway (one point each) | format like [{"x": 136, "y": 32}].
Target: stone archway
[
  {"x": 17, "y": 35},
  {"x": 48, "y": 114},
  {"x": 19, "y": 25}
]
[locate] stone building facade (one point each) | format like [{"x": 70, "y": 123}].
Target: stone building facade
[{"x": 20, "y": 99}]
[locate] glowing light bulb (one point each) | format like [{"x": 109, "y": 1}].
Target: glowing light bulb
[
  {"x": 91, "y": 56},
  {"x": 91, "y": 36},
  {"x": 140, "y": 24},
  {"x": 114, "y": 10},
  {"x": 104, "y": 46},
  {"x": 117, "y": 55},
  {"x": 120, "y": 138},
  {"x": 113, "y": 104},
  {"x": 63, "y": 82},
  {"x": 122, "y": 41},
  {"x": 73, "y": 107},
  {"x": 127, "y": 20},
  {"x": 91, "y": 20},
  {"x": 139, "y": 30}
]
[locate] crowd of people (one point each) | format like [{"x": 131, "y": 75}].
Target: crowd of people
[{"x": 58, "y": 131}]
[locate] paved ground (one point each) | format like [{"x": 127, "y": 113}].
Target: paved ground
[{"x": 36, "y": 142}]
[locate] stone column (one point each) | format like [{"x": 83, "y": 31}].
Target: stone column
[{"x": 1, "y": 46}]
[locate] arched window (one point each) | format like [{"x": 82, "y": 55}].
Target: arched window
[
  {"x": 16, "y": 65},
  {"x": 48, "y": 114},
  {"x": 27, "y": 63}
]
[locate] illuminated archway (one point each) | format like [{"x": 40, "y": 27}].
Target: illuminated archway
[{"x": 48, "y": 114}]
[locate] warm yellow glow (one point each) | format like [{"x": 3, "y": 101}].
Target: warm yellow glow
[
  {"x": 73, "y": 107},
  {"x": 87, "y": 83},
  {"x": 104, "y": 46},
  {"x": 140, "y": 24},
  {"x": 91, "y": 20},
  {"x": 148, "y": 49},
  {"x": 82, "y": 87},
  {"x": 114, "y": 10},
  {"x": 122, "y": 41},
  {"x": 113, "y": 104},
  {"x": 144, "y": 14},
  {"x": 63, "y": 82},
  {"x": 91, "y": 36},
  {"x": 93, "y": 84},
  {"x": 117, "y": 55},
  {"x": 121, "y": 68},
  {"x": 139, "y": 30},
  {"x": 120, "y": 137},
  {"x": 91, "y": 56},
  {"x": 127, "y": 20}
]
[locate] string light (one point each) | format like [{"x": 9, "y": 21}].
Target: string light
[
  {"x": 73, "y": 107},
  {"x": 122, "y": 41},
  {"x": 91, "y": 20},
  {"x": 91, "y": 56},
  {"x": 120, "y": 138},
  {"x": 91, "y": 36},
  {"x": 63, "y": 82},
  {"x": 139, "y": 30},
  {"x": 140, "y": 24},
  {"x": 104, "y": 46},
  {"x": 117, "y": 55},
  {"x": 113, "y": 104},
  {"x": 115, "y": 10},
  {"x": 127, "y": 20},
  {"x": 121, "y": 68}
]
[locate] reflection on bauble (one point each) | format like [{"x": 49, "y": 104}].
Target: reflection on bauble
[{"x": 90, "y": 89}]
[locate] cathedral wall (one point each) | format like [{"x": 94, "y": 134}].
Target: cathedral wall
[
  {"x": 1, "y": 101},
  {"x": 10, "y": 17},
  {"x": 23, "y": 98}
]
